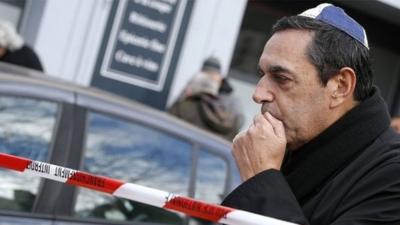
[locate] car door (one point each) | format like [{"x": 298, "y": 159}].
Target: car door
[{"x": 135, "y": 144}]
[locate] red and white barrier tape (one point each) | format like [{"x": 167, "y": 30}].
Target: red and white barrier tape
[{"x": 150, "y": 196}]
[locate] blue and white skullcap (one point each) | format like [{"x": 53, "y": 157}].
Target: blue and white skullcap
[{"x": 336, "y": 17}]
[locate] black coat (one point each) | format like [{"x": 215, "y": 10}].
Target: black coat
[
  {"x": 25, "y": 57},
  {"x": 349, "y": 174}
]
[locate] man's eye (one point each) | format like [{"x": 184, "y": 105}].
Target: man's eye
[{"x": 281, "y": 79}]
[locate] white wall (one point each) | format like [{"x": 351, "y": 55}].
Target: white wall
[
  {"x": 69, "y": 37},
  {"x": 243, "y": 92},
  {"x": 10, "y": 13}
]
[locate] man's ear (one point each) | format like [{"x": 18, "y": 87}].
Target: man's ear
[{"x": 341, "y": 86}]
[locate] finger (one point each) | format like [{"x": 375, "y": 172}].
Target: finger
[
  {"x": 276, "y": 124},
  {"x": 254, "y": 122},
  {"x": 261, "y": 122},
  {"x": 241, "y": 156},
  {"x": 260, "y": 128},
  {"x": 238, "y": 136},
  {"x": 257, "y": 119},
  {"x": 243, "y": 164}
]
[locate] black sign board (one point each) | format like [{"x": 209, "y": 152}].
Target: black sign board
[{"x": 140, "y": 48}]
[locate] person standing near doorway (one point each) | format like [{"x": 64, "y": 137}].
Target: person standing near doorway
[{"x": 14, "y": 51}]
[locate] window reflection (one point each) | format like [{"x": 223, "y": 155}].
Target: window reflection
[
  {"x": 26, "y": 130},
  {"x": 133, "y": 153},
  {"x": 210, "y": 188},
  {"x": 210, "y": 180}
]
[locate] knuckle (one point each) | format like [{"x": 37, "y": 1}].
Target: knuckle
[
  {"x": 238, "y": 137},
  {"x": 258, "y": 118},
  {"x": 235, "y": 144}
]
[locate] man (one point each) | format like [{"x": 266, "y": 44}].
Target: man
[
  {"x": 13, "y": 50},
  {"x": 203, "y": 105},
  {"x": 318, "y": 105}
]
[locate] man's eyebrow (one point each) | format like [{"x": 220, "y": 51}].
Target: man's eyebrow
[{"x": 279, "y": 69}]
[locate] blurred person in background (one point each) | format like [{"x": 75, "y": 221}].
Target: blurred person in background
[
  {"x": 321, "y": 151},
  {"x": 207, "y": 102},
  {"x": 13, "y": 50}
]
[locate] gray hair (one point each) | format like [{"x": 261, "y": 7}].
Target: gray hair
[{"x": 9, "y": 38}]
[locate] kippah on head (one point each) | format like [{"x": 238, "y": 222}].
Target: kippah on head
[{"x": 336, "y": 17}]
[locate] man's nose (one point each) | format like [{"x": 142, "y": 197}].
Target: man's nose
[{"x": 262, "y": 93}]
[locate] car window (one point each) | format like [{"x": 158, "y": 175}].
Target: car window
[
  {"x": 133, "y": 153},
  {"x": 26, "y": 130},
  {"x": 208, "y": 188}
]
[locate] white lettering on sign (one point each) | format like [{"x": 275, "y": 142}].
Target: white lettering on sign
[
  {"x": 142, "y": 41},
  {"x": 142, "y": 20},
  {"x": 122, "y": 57},
  {"x": 150, "y": 65},
  {"x": 159, "y": 6},
  {"x": 132, "y": 39},
  {"x": 172, "y": 2},
  {"x": 157, "y": 46}
]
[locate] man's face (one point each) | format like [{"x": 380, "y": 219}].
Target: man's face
[{"x": 290, "y": 89}]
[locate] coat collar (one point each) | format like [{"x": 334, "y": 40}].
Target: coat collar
[{"x": 312, "y": 165}]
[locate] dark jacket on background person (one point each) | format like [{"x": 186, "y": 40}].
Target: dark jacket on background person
[
  {"x": 24, "y": 56},
  {"x": 349, "y": 174},
  {"x": 208, "y": 112}
]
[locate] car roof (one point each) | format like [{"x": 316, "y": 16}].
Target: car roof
[{"x": 11, "y": 74}]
